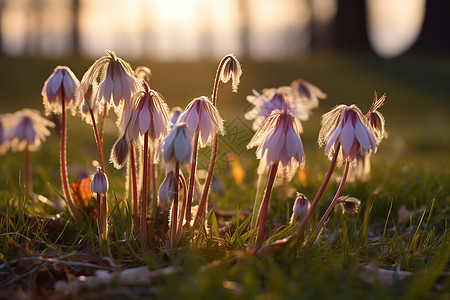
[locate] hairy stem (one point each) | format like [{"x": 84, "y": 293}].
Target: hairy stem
[
  {"x": 153, "y": 182},
  {"x": 134, "y": 185},
  {"x": 144, "y": 195},
  {"x": 102, "y": 124},
  {"x": 63, "y": 163},
  {"x": 98, "y": 141},
  {"x": 99, "y": 218},
  {"x": 183, "y": 208},
  {"x": 333, "y": 203},
  {"x": 192, "y": 178},
  {"x": 265, "y": 205},
  {"x": 319, "y": 192},
  {"x": 202, "y": 206},
  {"x": 174, "y": 215}
]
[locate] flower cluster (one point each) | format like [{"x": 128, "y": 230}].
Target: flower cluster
[{"x": 148, "y": 134}]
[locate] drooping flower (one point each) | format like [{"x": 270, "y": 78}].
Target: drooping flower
[
  {"x": 175, "y": 114},
  {"x": 166, "y": 190},
  {"x": 143, "y": 73},
  {"x": 149, "y": 114},
  {"x": 307, "y": 93},
  {"x": 375, "y": 118},
  {"x": 346, "y": 126},
  {"x": 350, "y": 205},
  {"x": 99, "y": 183},
  {"x": 28, "y": 128},
  {"x": 177, "y": 145},
  {"x": 231, "y": 70},
  {"x": 87, "y": 97},
  {"x": 115, "y": 78},
  {"x": 119, "y": 152},
  {"x": 300, "y": 208},
  {"x": 201, "y": 114},
  {"x": 272, "y": 99},
  {"x": 278, "y": 140},
  {"x": 60, "y": 86}
]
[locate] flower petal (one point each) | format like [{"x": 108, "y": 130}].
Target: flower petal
[
  {"x": 117, "y": 88},
  {"x": 347, "y": 136},
  {"x": 362, "y": 135},
  {"x": 55, "y": 81},
  {"x": 144, "y": 119},
  {"x": 108, "y": 86}
]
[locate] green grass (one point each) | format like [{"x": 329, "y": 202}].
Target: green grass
[{"x": 411, "y": 168}]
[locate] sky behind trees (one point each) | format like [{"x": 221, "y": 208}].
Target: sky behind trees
[{"x": 199, "y": 29}]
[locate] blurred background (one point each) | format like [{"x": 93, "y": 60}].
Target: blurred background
[
  {"x": 207, "y": 29},
  {"x": 347, "y": 48}
]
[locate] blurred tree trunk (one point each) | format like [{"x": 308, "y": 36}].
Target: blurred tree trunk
[
  {"x": 75, "y": 27},
  {"x": 244, "y": 7},
  {"x": 350, "y": 30},
  {"x": 34, "y": 14}
]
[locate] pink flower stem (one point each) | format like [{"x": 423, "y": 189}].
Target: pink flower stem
[
  {"x": 99, "y": 218},
  {"x": 183, "y": 208},
  {"x": 202, "y": 206},
  {"x": 265, "y": 205},
  {"x": 333, "y": 203},
  {"x": 174, "y": 214},
  {"x": 78, "y": 216},
  {"x": 98, "y": 141},
  {"x": 102, "y": 124},
  {"x": 134, "y": 185},
  {"x": 28, "y": 180},
  {"x": 217, "y": 79},
  {"x": 319, "y": 192},
  {"x": 192, "y": 176},
  {"x": 153, "y": 181},
  {"x": 102, "y": 165},
  {"x": 144, "y": 195}
]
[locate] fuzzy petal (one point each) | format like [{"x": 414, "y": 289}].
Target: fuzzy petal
[
  {"x": 347, "y": 136},
  {"x": 332, "y": 139},
  {"x": 144, "y": 119},
  {"x": 362, "y": 135},
  {"x": 69, "y": 85},
  {"x": 55, "y": 81},
  {"x": 108, "y": 86},
  {"x": 117, "y": 89}
]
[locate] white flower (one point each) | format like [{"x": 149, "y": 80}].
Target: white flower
[
  {"x": 231, "y": 70},
  {"x": 166, "y": 191},
  {"x": 272, "y": 99},
  {"x": 177, "y": 145},
  {"x": 27, "y": 128},
  {"x": 201, "y": 114},
  {"x": 307, "y": 93},
  {"x": 345, "y": 126},
  {"x": 300, "y": 209},
  {"x": 60, "y": 86},
  {"x": 119, "y": 152},
  {"x": 99, "y": 184},
  {"x": 149, "y": 114},
  {"x": 116, "y": 80},
  {"x": 278, "y": 140}
]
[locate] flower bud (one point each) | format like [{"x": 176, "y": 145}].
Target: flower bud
[
  {"x": 119, "y": 152},
  {"x": 231, "y": 70},
  {"x": 166, "y": 190},
  {"x": 300, "y": 208},
  {"x": 349, "y": 204},
  {"x": 177, "y": 145},
  {"x": 99, "y": 183},
  {"x": 143, "y": 73}
]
